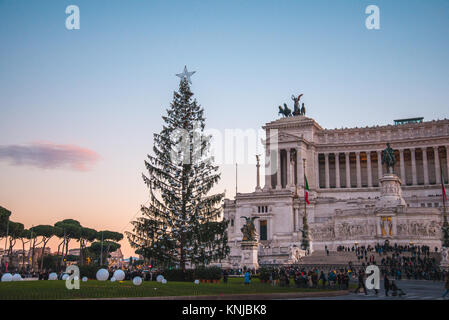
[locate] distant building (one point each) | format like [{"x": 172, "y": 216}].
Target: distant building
[
  {"x": 74, "y": 252},
  {"x": 116, "y": 259}
]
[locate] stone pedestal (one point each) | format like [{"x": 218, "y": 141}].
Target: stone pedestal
[
  {"x": 390, "y": 191},
  {"x": 249, "y": 254},
  {"x": 444, "y": 263}
]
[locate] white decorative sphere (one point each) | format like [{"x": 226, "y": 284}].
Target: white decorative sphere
[
  {"x": 164, "y": 281},
  {"x": 137, "y": 281},
  {"x": 112, "y": 279},
  {"x": 159, "y": 278},
  {"x": 119, "y": 275},
  {"x": 17, "y": 277},
  {"x": 102, "y": 275},
  {"x": 6, "y": 277},
  {"x": 84, "y": 279},
  {"x": 197, "y": 281},
  {"x": 53, "y": 276},
  {"x": 65, "y": 276}
]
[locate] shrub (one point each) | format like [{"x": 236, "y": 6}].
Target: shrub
[
  {"x": 89, "y": 271},
  {"x": 179, "y": 275},
  {"x": 208, "y": 273}
]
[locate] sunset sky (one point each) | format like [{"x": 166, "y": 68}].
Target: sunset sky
[{"x": 78, "y": 108}]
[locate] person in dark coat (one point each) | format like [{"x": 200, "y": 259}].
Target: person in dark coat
[
  {"x": 361, "y": 283},
  {"x": 386, "y": 284},
  {"x": 225, "y": 276},
  {"x": 396, "y": 290}
]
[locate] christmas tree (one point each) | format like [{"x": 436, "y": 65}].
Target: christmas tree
[{"x": 181, "y": 223}]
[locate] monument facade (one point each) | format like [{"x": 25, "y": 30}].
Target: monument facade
[{"x": 354, "y": 198}]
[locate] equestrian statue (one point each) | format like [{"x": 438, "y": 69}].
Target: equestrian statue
[{"x": 297, "y": 110}]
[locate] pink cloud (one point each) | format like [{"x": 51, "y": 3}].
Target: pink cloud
[{"x": 48, "y": 155}]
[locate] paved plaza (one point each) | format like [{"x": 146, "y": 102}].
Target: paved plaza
[{"x": 414, "y": 289}]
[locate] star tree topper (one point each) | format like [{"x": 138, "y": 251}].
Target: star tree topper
[{"x": 186, "y": 74}]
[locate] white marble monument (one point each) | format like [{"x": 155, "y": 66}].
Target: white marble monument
[
  {"x": 352, "y": 197},
  {"x": 249, "y": 251}
]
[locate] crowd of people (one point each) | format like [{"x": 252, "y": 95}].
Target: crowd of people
[{"x": 399, "y": 261}]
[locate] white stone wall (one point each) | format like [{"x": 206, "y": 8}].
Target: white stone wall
[{"x": 336, "y": 206}]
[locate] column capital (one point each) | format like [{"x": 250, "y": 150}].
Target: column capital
[
  {"x": 347, "y": 153},
  {"x": 358, "y": 153}
]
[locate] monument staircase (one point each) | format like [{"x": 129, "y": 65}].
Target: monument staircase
[{"x": 342, "y": 258}]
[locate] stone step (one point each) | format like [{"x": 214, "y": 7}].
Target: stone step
[{"x": 337, "y": 257}]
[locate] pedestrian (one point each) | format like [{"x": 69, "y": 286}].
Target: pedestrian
[
  {"x": 225, "y": 276},
  {"x": 323, "y": 279},
  {"x": 386, "y": 284},
  {"x": 361, "y": 283},
  {"x": 446, "y": 286},
  {"x": 247, "y": 277},
  {"x": 396, "y": 290}
]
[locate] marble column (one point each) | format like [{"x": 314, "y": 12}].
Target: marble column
[
  {"x": 368, "y": 168},
  {"x": 379, "y": 166},
  {"x": 279, "y": 165},
  {"x": 348, "y": 170},
  {"x": 326, "y": 169},
  {"x": 317, "y": 169},
  {"x": 359, "y": 170},
  {"x": 402, "y": 164},
  {"x": 425, "y": 165},
  {"x": 294, "y": 220},
  {"x": 437, "y": 165},
  {"x": 414, "y": 175},
  {"x": 289, "y": 169},
  {"x": 337, "y": 170},
  {"x": 268, "y": 164},
  {"x": 299, "y": 168},
  {"x": 270, "y": 229}
]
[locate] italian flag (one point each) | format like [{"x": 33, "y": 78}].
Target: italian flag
[
  {"x": 306, "y": 190},
  {"x": 442, "y": 186}
]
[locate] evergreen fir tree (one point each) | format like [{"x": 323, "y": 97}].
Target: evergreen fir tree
[{"x": 180, "y": 224}]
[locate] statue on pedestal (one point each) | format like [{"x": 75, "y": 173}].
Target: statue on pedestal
[
  {"x": 249, "y": 229},
  {"x": 389, "y": 158},
  {"x": 249, "y": 244},
  {"x": 297, "y": 109}
]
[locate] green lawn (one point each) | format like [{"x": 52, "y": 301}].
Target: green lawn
[{"x": 105, "y": 289}]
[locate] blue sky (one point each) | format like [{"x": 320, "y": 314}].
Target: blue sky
[{"x": 104, "y": 87}]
